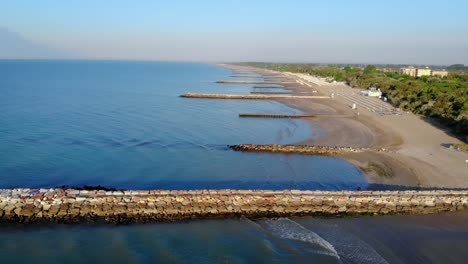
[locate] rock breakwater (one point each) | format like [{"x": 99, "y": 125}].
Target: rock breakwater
[
  {"x": 296, "y": 149},
  {"x": 250, "y": 96},
  {"x": 265, "y": 115},
  {"x": 70, "y": 205},
  {"x": 256, "y": 82}
]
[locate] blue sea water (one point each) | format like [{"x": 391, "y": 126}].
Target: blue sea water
[{"x": 123, "y": 125}]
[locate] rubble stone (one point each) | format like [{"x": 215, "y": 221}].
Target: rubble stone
[{"x": 58, "y": 205}]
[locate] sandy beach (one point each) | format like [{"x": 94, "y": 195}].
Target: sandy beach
[{"x": 416, "y": 154}]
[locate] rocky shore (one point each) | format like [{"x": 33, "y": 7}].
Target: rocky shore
[{"x": 70, "y": 205}]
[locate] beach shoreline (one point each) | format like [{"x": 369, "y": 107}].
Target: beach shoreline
[{"x": 416, "y": 156}]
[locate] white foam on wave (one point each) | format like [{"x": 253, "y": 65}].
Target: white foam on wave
[
  {"x": 288, "y": 229},
  {"x": 350, "y": 247}
]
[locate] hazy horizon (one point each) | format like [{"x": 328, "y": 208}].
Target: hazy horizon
[{"x": 419, "y": 33}]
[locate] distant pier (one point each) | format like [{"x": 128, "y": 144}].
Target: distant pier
[
  {"x": 260, "y": 115},
  {"x": 243, "y": 96},
  {"x": 285, "y": 92},
  {"x": 269, "y": 86},
  {"x": 277, "y": 79},
  {"x": 254, "y": 82},
  {"x": 246, "y": 76},
  {"x": 276, "y": 115}
]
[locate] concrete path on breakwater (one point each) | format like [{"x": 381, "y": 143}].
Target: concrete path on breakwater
[
  {"x": 249, "y": 96},
  {"x": 70, "y": 205}
]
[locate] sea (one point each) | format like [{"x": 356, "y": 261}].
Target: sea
[{"x": 122, "y": 124}]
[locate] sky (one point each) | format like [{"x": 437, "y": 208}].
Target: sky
[{"x": 332, "y": 31}]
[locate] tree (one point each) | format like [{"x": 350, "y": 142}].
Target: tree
[{"x": 370, "y": 69}]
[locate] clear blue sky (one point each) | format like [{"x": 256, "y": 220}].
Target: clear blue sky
[{"x": 234, "y": 30}]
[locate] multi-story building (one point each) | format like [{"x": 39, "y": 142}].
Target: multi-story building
[
  {"x": 410, "y": 70},
  {"x": 423, "y": 72},
  {"x": 442, "y": 73},
  {"x": 418, "y": 72}
]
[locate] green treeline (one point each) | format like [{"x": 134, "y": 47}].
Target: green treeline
[{"x": 444, "y": 99}]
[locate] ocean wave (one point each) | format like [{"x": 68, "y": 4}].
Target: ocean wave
[
  {"x": 288, "y": 229},
  {"x": 350, "y": 247}
]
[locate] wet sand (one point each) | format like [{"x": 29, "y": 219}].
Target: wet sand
[{"x": 415, "y": 157}]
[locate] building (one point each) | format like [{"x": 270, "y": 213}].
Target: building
[
  {"x": 442, "y": 73},
  {"x": 418, "y": 72},
  {"x": 423, "y": 72},
  {"x": 410, "y": 70}
]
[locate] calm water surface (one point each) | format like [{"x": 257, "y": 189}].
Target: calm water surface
[
  {"x": 389, "y": 239},
  {"x": 122, "y": 124}
]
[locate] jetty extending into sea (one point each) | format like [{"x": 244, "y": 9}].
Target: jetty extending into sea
[
  {"x": 269, "y": 87},
  {"x": 255, "y": 82},
  {"x": 250, "y": 96},
  {"x": 281, "y": 92},
  {"x": 264, "y": 115},
  {"x": 122, "y": 206},
  {"x": 246, "y": 76},
  {"x": 296, "y": 149}
]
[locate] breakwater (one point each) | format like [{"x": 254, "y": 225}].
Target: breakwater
[
  {"x": 268, "y": 87},
  {"x": 250, "y": 96},
  {"x": 246, "y": 76},
  {"x": 296, "y": 149},
  {"x": 276, "y": 115},
  {"x": 70, "y": 205},
  {"x": 285, "y": 92},
  {"x": 263, "y": 115},
  {"x": 254, "y": 82},
  {"x": 278, "y": 79}
]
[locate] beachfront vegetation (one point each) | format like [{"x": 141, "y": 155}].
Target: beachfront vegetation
[
  {"x": 444, "y": 99},
  {"x": 463, "y": 147}
]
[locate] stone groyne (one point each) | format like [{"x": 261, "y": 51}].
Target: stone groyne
[
  {"x": 276, "y": 115},
  {"x": 268, "y": 87},
  {"x": 249, "y": 96},
  {"x": 278, "y": 79},
  {"x": 70, "y": 205},
  {"x": 262, "y": 115},
  {"x": 255, "y": 82},
  {"x": 296, "y": 149},
  {"x": 282, "y": 92},
  {"x": 246, "y": 76}
]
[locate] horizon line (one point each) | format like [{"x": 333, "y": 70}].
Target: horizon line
[{"x": 217, "y": 62}]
